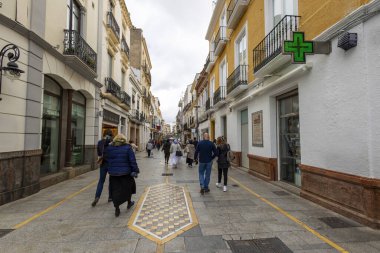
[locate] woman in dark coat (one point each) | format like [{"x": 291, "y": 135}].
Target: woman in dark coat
[
  {"x": 166, "y": 149},
  {"x": 122, "y": 168},
  {"x": 223, "y": 163}
]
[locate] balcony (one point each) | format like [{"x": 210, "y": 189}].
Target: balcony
[
  {"x": 219, "y": 96},
  {"x": 113, "y": 88},
  {"x": 126, "y": 99},
  {"x": 113, "y": 27},
  {"x": 237, "y": 81},
  {"x": 209, "y": 104},
  {"x": 267, "y": 56},
  {"x": 220, "y": 40},
  {"x": 235, "y": 11},
  {"x": 142, "y": 117},
  {"x": 210, "y": 61},
  {"x": 147, "y": 73},
  {"x": 75, "y": 45},
  {"x": 124, "y": 47},
  {"x": 135, "y": 114}
]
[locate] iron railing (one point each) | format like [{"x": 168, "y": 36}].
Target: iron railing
[
  {"x": 271, "y": 45},
  {"x": 210, "y": 58},
  {"x": 221, "y": 35},
  {"x": 209, "y": 103},
  {"x": 111, "y": 22},
  {"x": 113, "y": 88},
  {"x": 135, "y": 114},
  {"x": 124, "y": 46},
  {"x": 74, "y": 44},
  {"x": 230, "y": 9},
  {"x": 220, "y": 94},
  {"x": 125, "y": 98},
  {"x": 237, "y": 78}
]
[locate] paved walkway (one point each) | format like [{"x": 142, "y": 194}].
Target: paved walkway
[{"x": 252, "y": 214}]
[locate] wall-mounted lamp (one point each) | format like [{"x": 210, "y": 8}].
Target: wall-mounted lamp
[
  {"x": 11, "y": 70},
  {"x": 348, "y": 40}
]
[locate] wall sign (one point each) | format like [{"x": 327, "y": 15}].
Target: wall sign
[
  {"x": 298, "y": 47},
  {"x": 257, "y": 129}
]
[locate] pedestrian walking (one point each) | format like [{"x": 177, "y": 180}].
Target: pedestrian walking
[
  {"x": 206, "y": 151},
  {"x": 223, "y": 164},
  {"x": 195, "y": 142},
  {"x": 176, "y": 151},
  {"x": 101, "y": 147},
  {"x": 190, "y": 150},
  {"x": 166, "y": 149},
  {"x": 149, "y": 147},
  {"x": 122, "y": 168},
  {"x": 158, "y": 145}
]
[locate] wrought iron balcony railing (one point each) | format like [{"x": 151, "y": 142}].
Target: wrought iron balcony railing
[
  {"x": 221, "y": 35},
  {"x": 237, "y": 78},
  {"x": 74, "y": 44},
  {"x": 124, "y": 46},
  {"x": 113, "y": 88},
  {"x": 125, "y": 98},
  {"x": 135, "y": 114},
  {"x": 271, "y": 45},
  {"x": 111, "y": 22},
  {"x": 220, "y": 94},
  {"x": 209, "y": 103}
]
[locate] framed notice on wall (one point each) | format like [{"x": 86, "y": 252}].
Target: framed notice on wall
[{"x": 257, "y": 129}]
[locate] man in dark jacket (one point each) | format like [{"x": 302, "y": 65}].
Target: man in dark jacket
[
  {"x": 102, "y": 145},
  {"x": 166, "y": 149},
  {"x": 122, "y": 167},
  {"x": 206, "y": 151}
]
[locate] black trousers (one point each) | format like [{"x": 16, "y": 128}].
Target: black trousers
[
  {"x": 225, "y": 172},
  {"x": 149, "y": 152},
  {"x": 167, "y": 155}
]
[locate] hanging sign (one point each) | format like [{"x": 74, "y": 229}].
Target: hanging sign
[{"x": 298, "y": 47}]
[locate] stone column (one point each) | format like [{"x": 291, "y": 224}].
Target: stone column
[{"x": 68, "y": 129}]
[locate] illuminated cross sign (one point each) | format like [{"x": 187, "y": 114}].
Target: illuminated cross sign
[{"x": 298, "y": 47}]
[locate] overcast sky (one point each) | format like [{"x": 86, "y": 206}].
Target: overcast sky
[{"x": 175, "y": 33}]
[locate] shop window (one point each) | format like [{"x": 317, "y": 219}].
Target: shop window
[{"x": 78, "y": 117}]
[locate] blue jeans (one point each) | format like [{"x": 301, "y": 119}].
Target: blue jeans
[
  {"x": 102, "y": 178},
  {"x": 204, "y": 174}
]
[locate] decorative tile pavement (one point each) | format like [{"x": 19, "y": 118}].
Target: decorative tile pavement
[{"x": 163, "y": 212}]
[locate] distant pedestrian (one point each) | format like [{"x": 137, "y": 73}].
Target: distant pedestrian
[
  {"x": 134, "y": 146},
  {"x": 158, "y": 145},
  {"x": 166, "y": 149},
  {"x": 149, "y": 147},
  {"x": 195, "y": 142},
  {"x": 206, "y": 151},
  {"x": 101, "y": 147},
  {"x": 223, "y": 163},
  {"x": 122, "y": 168},
  {"x": 176, "y": 151},
  {"x": 190, "y": 150}
]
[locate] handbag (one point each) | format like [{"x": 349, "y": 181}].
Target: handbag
[{"x": 178, "y": 152}]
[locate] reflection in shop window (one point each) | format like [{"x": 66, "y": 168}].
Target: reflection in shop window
[{"x": 78, "y": 117}]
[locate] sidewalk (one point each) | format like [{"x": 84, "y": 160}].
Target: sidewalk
[{"x": 224, "y": 218}]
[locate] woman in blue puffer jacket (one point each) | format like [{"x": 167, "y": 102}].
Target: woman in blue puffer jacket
[{"x": 122, "y": 168}]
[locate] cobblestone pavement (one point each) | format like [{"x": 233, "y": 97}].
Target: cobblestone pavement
[{"x": 61, "y": 219}]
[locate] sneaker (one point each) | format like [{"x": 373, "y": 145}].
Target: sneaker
[
  {"x": 202, "y": 191},
  {"x": 130, "y": 204},
  {"x": 95, "y": 202},
  {"x": 117, "y": 212},
  {"x": 225, "y": 188},
  {"x": 207, "y": 190},
  {"x": 218, "y": 185}
]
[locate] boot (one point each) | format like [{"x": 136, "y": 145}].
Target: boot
[{"x": 95, "y": 202}]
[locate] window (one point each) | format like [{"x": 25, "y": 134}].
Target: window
[
  {"x": 75, "y": 15},
  {"x": 223, "y": 73},
  {"x": 212, "y": 88},
  {"x": 123, "y": 84},
  {"x": 282, "y": 8},
  {"x": 110, "y": 65},
  {"x": 241, "y": 49},
  {"x": 78, "y": 118}
]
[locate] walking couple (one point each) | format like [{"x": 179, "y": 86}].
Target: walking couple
[
  {"x": 116, "y": 157},
  {"x": 207, "y": 151}
]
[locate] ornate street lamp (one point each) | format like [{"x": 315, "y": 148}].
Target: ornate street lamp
[{"x": 12, "y": 70}]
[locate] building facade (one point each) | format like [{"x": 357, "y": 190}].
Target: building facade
[{"x": 311, "y": 125}]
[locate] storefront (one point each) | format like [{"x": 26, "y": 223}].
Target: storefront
[
  {"x": 289, "y": 138},
  {"x": 78, "y": 116},
  {"x": 110, "y": 122}
]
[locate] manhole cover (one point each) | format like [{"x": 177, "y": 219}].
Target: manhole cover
[
  {"x": 4, "y": 232},
  {"x": 336, "y": 222},
  {"x": 266, "y": 245},
  {"x": 167, "y": 174},
  {"x": 281, "y": 193}
]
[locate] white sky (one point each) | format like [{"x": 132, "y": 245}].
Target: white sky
[{"x": 175, "y": 33}]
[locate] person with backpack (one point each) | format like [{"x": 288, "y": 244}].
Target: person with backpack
[
  {"x": 101, "y": 147},
  {"x": 176, "y": 151},
  {"x": 223, "y": 162},
  {"x": 149, "y": 147}
]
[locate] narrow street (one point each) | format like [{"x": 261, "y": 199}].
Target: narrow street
[{"x": 61, "y": 219}]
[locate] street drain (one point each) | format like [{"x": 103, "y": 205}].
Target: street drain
[
  {"x": 167, "y": 174},
  {"x": 281, "y": 193},
  {"x": 235, "y": 185},
  {"x": 265, "y": 245},
  {"x": 336, "y": 222},
  {"x": 4, "y": 232}
]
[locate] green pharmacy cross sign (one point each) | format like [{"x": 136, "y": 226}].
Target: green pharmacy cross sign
[{"x": 298, "y": 47}]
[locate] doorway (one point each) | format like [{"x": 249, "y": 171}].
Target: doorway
[
  {"x": 289, "y": 138},
  {"x": 244, "y": 138},
  {"x": 224, "y": 127},
  {"x": 212, "y": 127}
]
